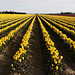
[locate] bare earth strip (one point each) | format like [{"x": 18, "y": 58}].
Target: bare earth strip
[
  {"x": 68, "y": 61},
  {"x": 37, "y": 57},
  {"x": 9, "y": 51}
]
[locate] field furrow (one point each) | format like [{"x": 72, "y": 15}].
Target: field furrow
[{"x": 37, "y": 44}]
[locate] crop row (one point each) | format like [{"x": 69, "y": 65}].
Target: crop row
[
  {"x": 64, "y": 24},
  {"x": 6, "y": 39},
  {"x": 21, "y": 54},
  {"x": 54, "y": 60},
  {"x": 9, "y": 23},
  {"x": 68, "y": 20},
  {"x": 63, "y": 28},
  {"x": 12, "y": 25},
  {"x": 62, "y": 36},
  {"x": 5, "y": 18}
]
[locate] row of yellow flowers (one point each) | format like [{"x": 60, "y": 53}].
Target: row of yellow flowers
[
  {"x": 4, "y": 40},
  {"x": 20, "y": 55},
  {"x": 64, "y": 37},
  {"x": 69, "y": 31},
  {"x": 8, "y": 20},
  {"x": 54, "y": 54},
  {"x": 12, "y": 25},
  {"x": 64, "y": 24},
  {"x": 65, "y": 19},
  {"x": 11, "y": 22},
  {"x": 70, "y": 20},
  {"x": 4, "y": 18}
]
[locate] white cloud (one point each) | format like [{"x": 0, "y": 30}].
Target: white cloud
[{"x": 38, "y": 5}]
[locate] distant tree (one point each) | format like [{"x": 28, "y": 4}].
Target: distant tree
[
  {"x": 12, "y": 12},
  {"x": 66, "y": 12}
]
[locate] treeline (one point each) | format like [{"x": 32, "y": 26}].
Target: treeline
[
  {"x": 67, "y": 13},
  {"x": 11, "y": 12},
  {"x": 61, "y": 13}
]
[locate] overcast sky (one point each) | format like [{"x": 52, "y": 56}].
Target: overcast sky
[{"x": 38, "y": 6}]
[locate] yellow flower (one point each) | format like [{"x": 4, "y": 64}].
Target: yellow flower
[
  {"x": 55, "y": 62},
  {"x": 19, "y": 60},
  {"x": 61, "y": 57},
  {"x": 70, "y": 46},
  {"x": 53, "y": 56},
  {"x": 57, "y": 57},
  {"x": 15, "y": 58},
  {"x": 23, "y": 58},
  {"x": 25, "y": 51},
  {"x": 52, "y": 64},
  {"x": 51, "y": 52},
  {"x": 56, "y": 67},
  {"x": 20, "y": 50},
  {"x": 0, "y": 44},
  {"x": 58, "y": 61},
  {"x": 28, "y": 46},
  {"x": 11, "y": 65}
]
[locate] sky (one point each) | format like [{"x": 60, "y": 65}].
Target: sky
[{"x": 38, "y": 6}]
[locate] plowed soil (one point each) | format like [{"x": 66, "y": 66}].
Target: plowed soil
[{"x": 36, "y": 66}]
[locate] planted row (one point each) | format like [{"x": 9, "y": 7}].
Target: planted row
[
  {"x": 53, "y": 60},
  {"x": 21, "y": 54},
  {"x": 63, "y": 28},
  {"x": 6, "y": 39},
  {"x": 62, "y": 36}
]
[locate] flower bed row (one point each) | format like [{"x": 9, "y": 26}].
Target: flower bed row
[
  {"x": 13, "y": 25},
  {"x": 54, "y": 60},
  {"x": 63, "y": 28},
  {"x": 62, "y": 36},
  {"x": 64, "y": 24},
  {"x": 21, "y": 54},
  {"x": 5, "y": 40},
  {"x": 11, "y": 22}
]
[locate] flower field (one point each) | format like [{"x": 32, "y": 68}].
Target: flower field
[{"x": 33, "y": 44}]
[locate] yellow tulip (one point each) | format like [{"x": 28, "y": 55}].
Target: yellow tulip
[
  {"x": 19, "y": 60},
  {"x": 61, "y": 57},
  {"x": 23, "y": 58},
  {"x": 52, "y": 64},
  {"x": 11, "y": 65},
  {"x": 56, "y": 67},
  {"x": 58, "y": 61},
  {"x": 55, "y": 62}
]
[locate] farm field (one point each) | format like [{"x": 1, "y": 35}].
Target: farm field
[{"x": 33, "y": 44}]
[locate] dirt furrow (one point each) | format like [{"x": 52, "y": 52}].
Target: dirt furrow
[
  {"x": 8, "y": 52},
  {"x": 6, "y": 33},
  {"x": 68, "y": 61},
  {"x": 37, "y": 56}
]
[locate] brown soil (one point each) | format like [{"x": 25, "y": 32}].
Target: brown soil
[
  {"x": 6, "y": 32},
  {"x": 68, "y": 35},
  {"x": 9, "y": 51},
  {"x": 68, "y": 61},
  {"x": 37, "y": 57},
  {"x": 36, "y": 66}
]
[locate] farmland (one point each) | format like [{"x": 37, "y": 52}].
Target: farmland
[{"x": 33, "y": 44}]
